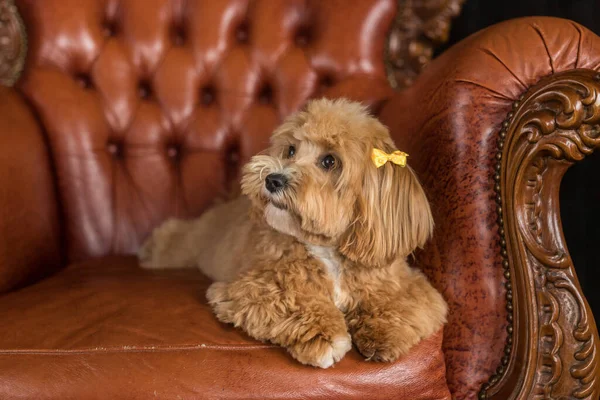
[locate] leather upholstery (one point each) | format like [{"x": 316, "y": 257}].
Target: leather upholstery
[
  {"x": 106, "y": 329},
  {"x": 453, "y": 138},
  {"x": 140, "y": 95},
  {"x": 147, "y": 110},
  {"x": 133, "y": 111},
  {"x": 29, "y": 228}
]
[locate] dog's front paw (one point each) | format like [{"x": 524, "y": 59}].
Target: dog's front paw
[
  {"x": 218, "y": 297},
  {"x": 322, "y": 352},
  {"x": 377, "y": 341}
]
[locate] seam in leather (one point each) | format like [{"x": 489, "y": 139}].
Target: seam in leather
[
  {"x": 137, "y": 189},
  {"x": 114, "y": 171},
  {"x": 491, "y": 53},
  {"x": 52, "y": 164},
  {"x": 134, "y": 349},
  {"x": 498, "y": 94},
  {"x": 113, "y": 200},
  {"x": 578, "y": 43},
  {"x": 539, "y": 32}
]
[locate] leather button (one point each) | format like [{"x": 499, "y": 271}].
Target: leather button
[
  {"x": 265, "y": 96},
  {"x": 232, "y": 161},
  {"x": 84, "y": 81},
  {"x": 302, "y": 37},
  {"x": 327, "y": 81},
  {"x": 173, "y": 151},
  {"x": 109, "y": 29},
  {"x": 145, "y": 90},
  {"x": 242, "y": 33},
  {"x": 179, "y": 36},
  {"x": 207, "y": 95},
  {"x": 233, "y": 156},
  {"x": 115, "y": 149}
]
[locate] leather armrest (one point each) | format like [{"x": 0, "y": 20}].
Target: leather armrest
[
  {"x": 491, "y": 126},
  {"x": 29, "y": 227}
]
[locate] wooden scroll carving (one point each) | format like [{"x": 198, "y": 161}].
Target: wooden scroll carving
[
  {"x": 420, "y": 26},
  {"x": 552, "y": 350},
  {"x": 13, "y": 43}
]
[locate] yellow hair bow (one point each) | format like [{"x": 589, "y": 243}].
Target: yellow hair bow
[{"x": 380, "y": 157}]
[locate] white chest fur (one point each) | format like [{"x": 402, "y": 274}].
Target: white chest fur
[{"x": 331, "y": 261}]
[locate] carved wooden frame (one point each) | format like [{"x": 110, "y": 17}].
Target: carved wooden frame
[
  {"x": 13, "y": 43},
  {"x": 552, "y": 349},
  {"x": 420, "y": 26}
]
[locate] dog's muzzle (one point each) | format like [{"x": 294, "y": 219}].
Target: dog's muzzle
[{"x": 275, "y": 182}]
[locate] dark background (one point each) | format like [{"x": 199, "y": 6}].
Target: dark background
[{"x": 580, "y": 189}]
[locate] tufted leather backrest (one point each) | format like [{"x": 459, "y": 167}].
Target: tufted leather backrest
[{"x": 150, "y": 107}]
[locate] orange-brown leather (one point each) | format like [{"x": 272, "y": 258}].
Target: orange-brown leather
[
  {"x": 151, "y": 106},
  {"x": 452, "y": 117},
  {"x": 106, "y": 329},
  {"x": 29, "y": 227},
  {"x": 133, "y": 111},
  {"x": 147, "y": 109}
]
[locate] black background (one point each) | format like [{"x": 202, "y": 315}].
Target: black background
[{"x": 580, "y": 189}]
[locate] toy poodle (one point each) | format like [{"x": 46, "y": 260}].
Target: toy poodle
[{"x": 312, "y": 256}]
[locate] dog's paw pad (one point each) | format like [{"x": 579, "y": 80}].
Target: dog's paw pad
[
  {"x": 322, "y": 353},
  {"x": 381, "y": 350},
  {"x": 217, "y": 293},
  {"x": 335, "y": 351},
  {"x": 220, "y": 302}
]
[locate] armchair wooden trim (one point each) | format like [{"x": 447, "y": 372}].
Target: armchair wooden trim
[
  {"x": 552, "y": 348},
  {"x": 419, "y": 27},
  {"x": 13, "y": 43}
]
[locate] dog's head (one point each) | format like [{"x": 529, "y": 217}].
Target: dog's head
[{"x": 319, "y": 184}]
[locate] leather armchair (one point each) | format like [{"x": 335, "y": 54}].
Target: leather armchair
[{"x": 127, "y": 113}]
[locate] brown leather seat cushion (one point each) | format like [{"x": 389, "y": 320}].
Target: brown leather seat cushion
[{"x": 107, "y": 329}]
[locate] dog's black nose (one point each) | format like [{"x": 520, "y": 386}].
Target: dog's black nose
[{"x": 275, "y": 182}]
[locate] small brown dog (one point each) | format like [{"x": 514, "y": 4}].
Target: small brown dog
[{"x": 313, "y": 256}]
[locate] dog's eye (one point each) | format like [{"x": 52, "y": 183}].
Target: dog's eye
[
  {"x": 328, "y": 162},
  {"x": 291, "y": 152}
]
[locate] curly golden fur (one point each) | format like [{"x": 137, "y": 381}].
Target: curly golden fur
[{"x": 319, "y": 261}]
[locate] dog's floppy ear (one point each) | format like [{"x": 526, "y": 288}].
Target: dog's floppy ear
[{"x": 393, "y": 216}]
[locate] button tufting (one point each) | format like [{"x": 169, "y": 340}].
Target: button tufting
[
  {"x": 109, "y": 29},
  {"x": 84, "y": 81},
  {"x": 302, "y": 37},
  {"x": 242, "y": 33},
  {"x": 232, "y": 155},
  {"x": 207, "y": 95},
  {"x": 173, "y": 151},
  {"x": 265, "y": 96},
  {"x": 231, "y": 159},
  {"x": 327, "y": 81},
  {"x": 179, "y": 35},
  {"x": 144, "y": 90},
  {"x": 115, "y": 149}
]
